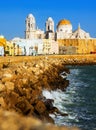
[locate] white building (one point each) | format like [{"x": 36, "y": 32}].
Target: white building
[
  {"x": 36, "y": 46},
  {"x": 29, "y": 46}
]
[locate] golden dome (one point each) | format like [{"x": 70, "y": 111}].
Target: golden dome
[{"x": 64, "y": 22}]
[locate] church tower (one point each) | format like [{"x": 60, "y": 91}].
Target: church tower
[
  {"x": 49, "y": 25},
  {"x": 30, "y": 27},
  {"x": 49, "y": 34}
]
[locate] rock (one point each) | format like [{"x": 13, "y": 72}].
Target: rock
[
  {"x": 2, "y": 102},
  {"x": 2, "y": 87},
  {"x": 7, "y": 76},
  {"x": 49, "y": 104},
  {"x": 11, "y": 99},
  {"x": 9, "y": 85},
  {"x": 24, "y": 106},
  {"x": 40, "y": 107},
  {"x": 25, "y": 81}
]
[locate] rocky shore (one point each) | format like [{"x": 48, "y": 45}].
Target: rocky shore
[{"x": 22, "y": 81}]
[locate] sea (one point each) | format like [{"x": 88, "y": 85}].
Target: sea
[{"x": 79, "y": 99}]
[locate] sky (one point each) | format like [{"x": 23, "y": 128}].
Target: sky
[{"x": 14, "y": 12}]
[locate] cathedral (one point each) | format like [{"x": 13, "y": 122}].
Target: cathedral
[
  {"x": 69, "y": 41},
  {"x": 63, "y": 30}
]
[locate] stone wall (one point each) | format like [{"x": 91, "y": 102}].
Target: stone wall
[{"x": 82, "y": 46}]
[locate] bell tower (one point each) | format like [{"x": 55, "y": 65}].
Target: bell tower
[
  {"x": 30, "y": 26},
  {"x": 49, "y": 25}
]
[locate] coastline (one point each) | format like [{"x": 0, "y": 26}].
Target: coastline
[{"x": 22, "y": 80}]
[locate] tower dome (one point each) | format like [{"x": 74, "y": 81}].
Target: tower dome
[
  {"x": 50, "y": 19},
  {"x": 30, "y": 15},
  {"x": 64, "y": 22}
]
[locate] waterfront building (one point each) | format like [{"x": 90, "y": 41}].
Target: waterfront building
[
  {"x": 36, "y": 46},
  {"x": 77, "y": 46},
  {"x": 73, "y": 42},
  {"x": 50, "y": 46},
  {"x": 28, "y": 46},
  {"x": 12, "y": 49}
]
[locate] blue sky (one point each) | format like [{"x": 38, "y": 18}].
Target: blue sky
[{"x": 14, "y": 12}]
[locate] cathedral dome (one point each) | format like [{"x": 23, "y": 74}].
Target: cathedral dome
[
  {"x": 50, "y": 19},
  {"x": 64, "y": 22},
  {"x": 64, "y": 29},
  {"x": 30, "y": 16}
]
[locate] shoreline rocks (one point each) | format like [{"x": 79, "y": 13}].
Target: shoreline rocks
[{"x": 21, "y": 86}]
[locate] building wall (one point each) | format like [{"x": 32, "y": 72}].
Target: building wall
[
  {"x": 12, "y": 49},
  {"x": 50, "y": 46},
  {"x": 77, "y": 46},
  {"x": 1, "y": 51}
]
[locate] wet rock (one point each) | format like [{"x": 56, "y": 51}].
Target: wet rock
[{"x": 49, "y": 104}]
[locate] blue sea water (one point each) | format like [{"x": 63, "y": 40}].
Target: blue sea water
[{"x": 79, "y": 99}]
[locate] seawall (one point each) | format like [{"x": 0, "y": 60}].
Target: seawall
[{"x": 66, "y": 59}]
